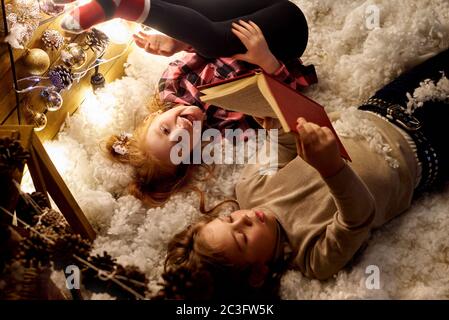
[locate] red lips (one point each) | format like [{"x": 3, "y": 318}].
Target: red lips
[{"x": 260, "y": 215}]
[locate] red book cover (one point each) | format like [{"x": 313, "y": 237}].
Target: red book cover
[{"x": 293, "y": 105}]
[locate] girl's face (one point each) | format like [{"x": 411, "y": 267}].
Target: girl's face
[
  {"x": 246, "y": 237},
  {"x": 166, "y": 127}
]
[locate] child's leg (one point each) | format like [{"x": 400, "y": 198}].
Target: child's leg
[
  {"x": 395, "y": 92},
  {"x": 283, "y": 24},
  {"x": 98, "y": 11},
  {"x": 434, "y": 117},
  {"x": 222, "y": 10}
]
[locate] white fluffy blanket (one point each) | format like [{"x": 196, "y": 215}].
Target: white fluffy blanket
[{"x": 412, "y": 251}]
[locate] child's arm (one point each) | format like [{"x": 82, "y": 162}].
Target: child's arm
[
  {"x": 324, "y": 256},
  {"x": 174, "y": 85},
  {"x": 259, "y": 53}
]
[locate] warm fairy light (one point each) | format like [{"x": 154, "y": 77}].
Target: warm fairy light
[
  {"x": 98, "y": 113},
  {"x": 147, "y": 30},
  {"x": 119, "y": 31},
  {"x": 27, "y": 184},
  {"x": 60, "y": 157},
  {"x": 82, "y": 2}
]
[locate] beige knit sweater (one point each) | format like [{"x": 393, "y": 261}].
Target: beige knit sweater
[{"x": 327, "y": 220}]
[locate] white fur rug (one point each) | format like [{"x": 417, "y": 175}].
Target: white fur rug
[{"x": 412, "y": 252}]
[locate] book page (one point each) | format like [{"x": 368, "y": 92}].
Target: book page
[
  {"x": 266, "y": 92},
  {"x": 248, "y": 100},
  {"x": 227, "y": 88}
]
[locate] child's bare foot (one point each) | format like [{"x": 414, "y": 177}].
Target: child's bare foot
[{"x": 160, "y": 44}]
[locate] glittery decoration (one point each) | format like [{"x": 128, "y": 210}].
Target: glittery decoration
[
  {"x": 96, "y": 40},
  {"x": 36, "y": 61},
  {"x": 61, "y": 77},
  {"x": 49, "y": 8},
  {"x": 52, "y": 39},
  {"x": 23, "y": 19},
  {"x": 73, "y": 56},
  {"x": 53, "y": 100}
]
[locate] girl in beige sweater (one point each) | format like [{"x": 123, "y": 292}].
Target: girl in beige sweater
[{"x": 317, "y": 210}]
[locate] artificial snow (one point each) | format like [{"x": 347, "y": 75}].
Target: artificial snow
[{"x": 352, "y": 61}]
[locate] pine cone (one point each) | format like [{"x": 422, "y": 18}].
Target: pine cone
[
  {"x": 132, "y": 273},
  {"x": 61, "y": 77},
  {"x": 103, "y": 262},
  {"x": 52, "y": 39},
  {"x": 181, "y": 283},
  {"x": 12, "y": 155},
  {"x": 138, "y": 281},
  {"x": 96, "y": 40},
  {"x": 66, "y": 247},
  {"x": 40, "y": 199},
  {"x": 26, "y": 212},
  {"x": 91, "y": 279},
  {"x": 54, "y": 220},
  {"x": 25, "y": 283},
  {"x": 35, "y": 251}
]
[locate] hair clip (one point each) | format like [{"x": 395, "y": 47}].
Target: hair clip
[{"x": 120, "y": 146}]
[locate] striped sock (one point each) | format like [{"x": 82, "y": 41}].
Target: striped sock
[{"x": 98, "y": 11}]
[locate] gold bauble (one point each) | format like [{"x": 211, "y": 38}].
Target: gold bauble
[{"x": 36, "y": 61}]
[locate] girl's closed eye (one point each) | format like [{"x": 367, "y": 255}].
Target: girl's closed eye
[
  {"x": 245, "y": 239},
  {"x": 165, "y": 130}
]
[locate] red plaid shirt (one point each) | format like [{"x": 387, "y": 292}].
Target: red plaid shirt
[{"x": 180, "y": 81}]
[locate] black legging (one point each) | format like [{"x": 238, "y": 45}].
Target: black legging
[
  {"x": 206, "y": 25},
  {"x": 432, "y": 115}
]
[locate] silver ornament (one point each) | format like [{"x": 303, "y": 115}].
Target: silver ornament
[
  {"x": 53, "y": 99},
  {"x": 73, "y": 56}
]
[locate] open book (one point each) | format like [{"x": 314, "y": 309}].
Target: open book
[{"x": 260, "y": 95}]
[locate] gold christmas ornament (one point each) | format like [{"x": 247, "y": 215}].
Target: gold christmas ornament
[
  {"x": 34, "y": 118},
  {"x": 36, "y": 61},
  {"x": 39, "y": 121},
  {"x": 73, "y": 56}
]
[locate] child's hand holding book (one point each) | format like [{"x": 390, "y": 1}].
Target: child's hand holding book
[
  {"x": 262, "y": 96},
  {"x": 318, "y": 147}
]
